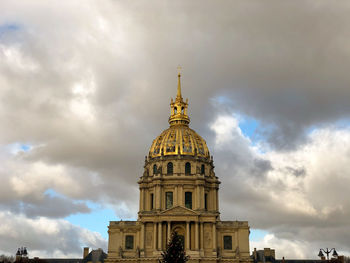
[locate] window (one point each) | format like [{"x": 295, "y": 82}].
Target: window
[
  {"x": 188, "y": 200},
  {"x": 151, "y": 202},
  {"x": 175, "y": 110},
  {"x": 168, "y": 200},
  {"x": 188, "y": 168},
  {"x": 206, "y": 201},
  {"x": 154, "y": 169},
  {"x": 129, "y": 242},
  {"x": 170, "y": 168},
  {"x": 228, "y": 242},
  {"x": 202, "y": 169},
  {"x": 182, "y": 110}
]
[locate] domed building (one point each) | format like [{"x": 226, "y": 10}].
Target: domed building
[{"x": 179, "y": 192}]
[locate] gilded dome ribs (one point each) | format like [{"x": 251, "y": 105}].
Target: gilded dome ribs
[{"x": 179, "y": 137}]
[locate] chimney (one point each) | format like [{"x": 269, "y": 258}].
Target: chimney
[{"x": 86, "y": 252}]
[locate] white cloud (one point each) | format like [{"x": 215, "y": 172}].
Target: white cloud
[
  {"x": 298, "y": 197},
  {"x": 45, "y": 237},
  {"x": 289, "y": 249}
]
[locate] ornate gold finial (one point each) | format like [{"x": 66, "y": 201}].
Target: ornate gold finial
[
  {"x": 178, "y": 107},
  {"x": 179, "y": 97}
]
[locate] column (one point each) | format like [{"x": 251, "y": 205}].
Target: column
[
  {"x": 176, "y": 196},
  {"x": 160, "y": 236},
  {"x": 169, "y": 230},
  {"x": 187, "y": 235},
  {"x": 214, "y": 200},
  {"x": 196, "y": 236},
  {"x": 202, "y": 197},
  {"x": 201, "y": 235},
  {"x": 181, "y": 195},
  {"x": 217, "y": 200},
  {"x": 138, "y": 236},
  {"x": 158, "y": 197},
  {"x": 123, "y": 239},
  {"x": 142, "y": 191},
  {"x": 214, "y": 236},
  {"x": 236, "y": 239},
  {"x": 154, "y": 235},
  {"x": 198, "y": 198},
  {"x": 142, "y": 236}
]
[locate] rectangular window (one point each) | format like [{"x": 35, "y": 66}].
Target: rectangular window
[
  {"x": 206, "y": 201},
  {"x": 228, "y": 242},
  {"x": 151, "y": 202},
  {"x": 169, "y": 200},
  {"x": 188, "y": 200},
  {"x": 129, "y": 242}
]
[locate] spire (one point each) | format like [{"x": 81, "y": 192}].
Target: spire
[
  {"x": 178, "y": 107},
  {"x": 179, "y": 97}
]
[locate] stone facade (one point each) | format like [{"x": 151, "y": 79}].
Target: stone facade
[{"x": 179, "y": 192}]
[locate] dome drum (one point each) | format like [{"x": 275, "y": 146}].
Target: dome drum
[{"x": 183, "y": 166}]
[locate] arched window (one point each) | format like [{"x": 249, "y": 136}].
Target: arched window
[
  {"x": 182, "y": 110},
  {"x": 202, "y": 169},
  {"x": 175, "y": 110},
  {"x": 187, "y": 168},
  {"x": 170, "y": 168},
  {"x": 154, "y": 169}
]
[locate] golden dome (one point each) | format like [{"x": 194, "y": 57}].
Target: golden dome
[{"x": 179, "y": 138}]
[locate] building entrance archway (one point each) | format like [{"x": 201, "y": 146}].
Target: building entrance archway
[{"x": 180, "y": 230}]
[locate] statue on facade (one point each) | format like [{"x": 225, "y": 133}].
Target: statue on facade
[{"x": 120, "y": 252}]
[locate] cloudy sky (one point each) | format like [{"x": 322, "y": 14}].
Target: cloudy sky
[{"x": 85, "y": 87}]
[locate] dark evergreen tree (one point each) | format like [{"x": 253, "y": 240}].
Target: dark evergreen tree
[{"x": 175, "y": 252}]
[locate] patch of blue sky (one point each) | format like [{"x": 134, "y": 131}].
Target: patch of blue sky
[
  {"x": 9, "y": 27},
  {"x": 53, "y": 193},
  {"x": 97, "y": 220},
  {"x": 222, "y": 100},
  {"x": 343, "y": 123},
  {"x": 257, "y": 234},
  {"x": 25, "y": 147},
  {"x": 15, "y": 148},
  {"x": 248, "y": 126}
]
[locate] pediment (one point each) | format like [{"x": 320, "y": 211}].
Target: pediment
[{"x": 179, "y": 210}]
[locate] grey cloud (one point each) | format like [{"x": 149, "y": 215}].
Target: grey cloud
[
  {"x": 51, "y": 207},
  {"x": 297, "y": 171},
  {"x": 282, "y": 63},
  {"x": 54, "y": 207}
]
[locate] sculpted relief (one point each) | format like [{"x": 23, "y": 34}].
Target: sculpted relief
[
  {"x": 207, "y": 239},
  {"x": 149, "y": 238}
]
